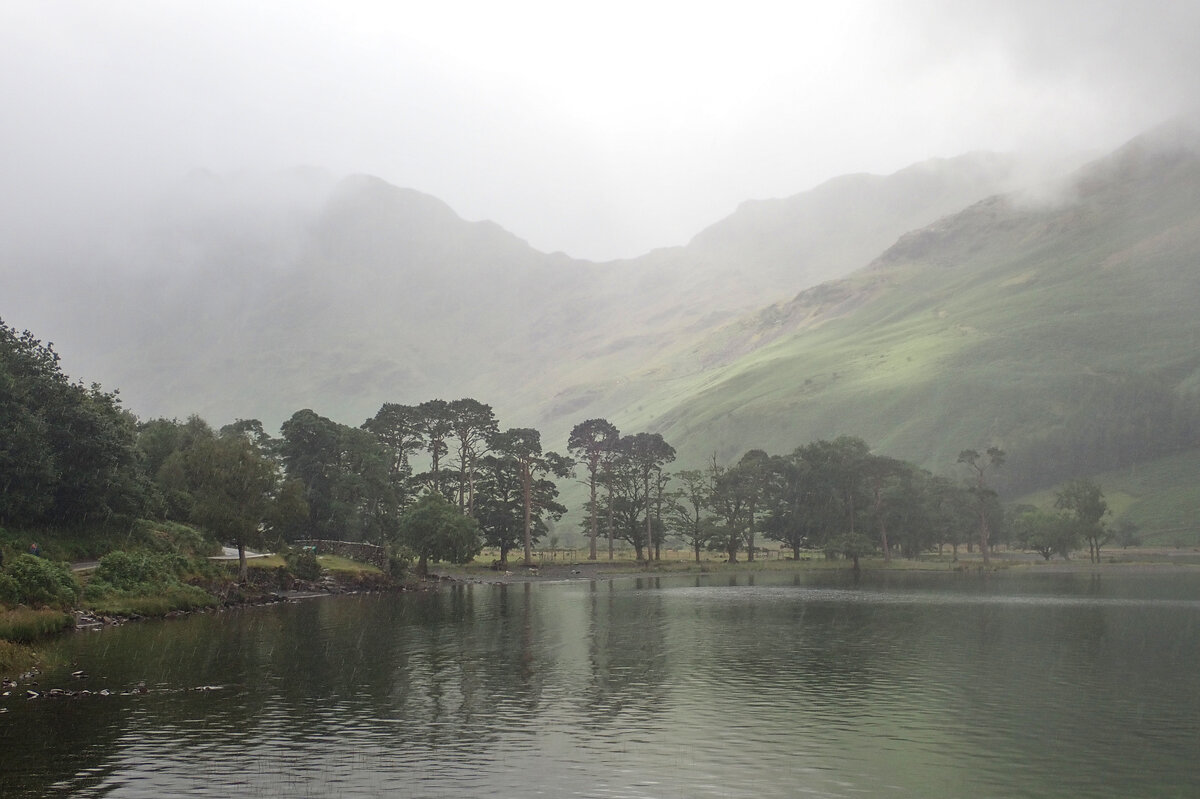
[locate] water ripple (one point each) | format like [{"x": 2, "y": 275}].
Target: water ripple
[{"x": 626, "y": 692}]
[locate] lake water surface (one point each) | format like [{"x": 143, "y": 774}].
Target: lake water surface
[{"x": 764, "y": 685}]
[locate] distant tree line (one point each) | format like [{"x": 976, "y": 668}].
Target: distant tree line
[
  {"x": 1112, "y": 422},
  {"x": 835, "y": 497},
  {"x": 441, "y": 479}
]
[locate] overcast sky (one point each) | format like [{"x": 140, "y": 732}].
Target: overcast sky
[{"x": 601, "y": 129}]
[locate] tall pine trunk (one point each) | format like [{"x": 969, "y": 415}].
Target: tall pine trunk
[{"x": 527, "y": 489}]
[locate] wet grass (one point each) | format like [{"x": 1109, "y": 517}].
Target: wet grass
[
  {"x": 268, "y": 562},
  {"x": 336, "y": 563},
  {"x": 23, "y": 625},
  {"x": 16, "y": 658},
  {"x": 160, "y": 602}
]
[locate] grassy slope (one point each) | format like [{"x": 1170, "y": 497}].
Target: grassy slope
[
  {"x": 1160, "y": 496},
  {"x": 981, "y": 329}
]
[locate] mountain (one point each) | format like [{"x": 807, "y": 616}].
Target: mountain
[
  {"x": 257, "y": 295},
  {"x": 1065, "y": 331}
]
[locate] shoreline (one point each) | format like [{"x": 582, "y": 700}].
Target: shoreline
[{"x": 604, "y": 570}]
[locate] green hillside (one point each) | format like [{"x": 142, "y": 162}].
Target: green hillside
[
  {"x": 1160, "y": 496},
  {"x": 1064, "y": 330},
  {"x": 1067, "y": 334},
  {"x": 257, "y": 297}
]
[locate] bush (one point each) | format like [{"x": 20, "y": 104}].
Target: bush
[
  {"x": 132, "y": 571},
  {"x": 164, "y": 537},
  {"x": 399, "y": 564},
  {"x": 303, "y": 563},
  {"x": 35, "y": 581}
]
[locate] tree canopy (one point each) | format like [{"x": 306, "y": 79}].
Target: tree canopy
[{"x": 67, "y": 451}]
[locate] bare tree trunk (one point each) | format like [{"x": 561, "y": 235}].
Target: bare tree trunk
[
  {"x": 649, "y": 539},
  {"x": 610, "y": 524},
  {"x": 595, "y": 522},
  {"x": 984, "y": 535},
  {"x": 750, "y": 536},
  {"x": 527, "y": 489},
  {"x": 887, "y": 552}
]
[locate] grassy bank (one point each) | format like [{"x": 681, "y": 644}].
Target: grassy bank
[{"x": 149, "y": 570}]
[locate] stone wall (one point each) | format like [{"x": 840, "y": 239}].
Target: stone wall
[{"x": 354, "y": 550}]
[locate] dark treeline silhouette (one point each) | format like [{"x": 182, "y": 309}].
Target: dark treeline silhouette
[
  {"x": 835, "y": 496},
  {"x": 1112, "y": 423}
]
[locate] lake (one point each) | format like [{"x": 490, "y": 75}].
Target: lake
[{"x": 757, "y": 685}]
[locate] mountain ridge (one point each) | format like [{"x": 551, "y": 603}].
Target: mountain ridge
[
  {"x": 244, "y": 297},
  {"x": 1047, "y": 302}
]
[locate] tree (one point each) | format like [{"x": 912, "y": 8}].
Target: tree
[
  {"x": 647, "y": 453},
  {"x": 790, "y": 513},
  {"x": 836, "y": 480},
  {"x": 878, "y": 469},
  {"x": 625, "y": 504},
  {"x": 658, "y": 500},
  {"x": 1127, "y": 534},
  {"x": 231, "y": 482},
  {"x": 436, "y": 423},
  {"x": 952, "y": 513},
  {"x": 688, "y": 510},
  {"x": 434, "y": 529},
  {"x": 853, "y": 546},
  {"x": 287, "y": 517},
  {"x": 911, "y": 505},
  {"x": 473, "y": 424},
  {"x": 346, "y": 477},
  {"x": 165, "y": 444},
  {"x": 1083, "y": 499},
  {"x": 398, "y": 429},
  {"x": 614, "y": 466},
  {"x": 728, "y": 492},
  {"x": 756, "y": 470},
  {"x": 500, "y": 505},
  {"x": 252, "y": 429},
  {"x": 1046, "y": 533},
  {"x": 524, "y": 446},
  {"x": 589, "y": 442},
  {"x": 68, "y": 453},
  {"x": 983, "y": 495}
]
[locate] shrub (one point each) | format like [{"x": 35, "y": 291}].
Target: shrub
[
  {"x": 171, "y": 537},
  {"x": 303, "y": 563},
  {"x": 144, "y": 584},
  {"x": 129, "y": 571},
  {"x": 399, "y": 563},
  {"x": 35, "y": 581}
]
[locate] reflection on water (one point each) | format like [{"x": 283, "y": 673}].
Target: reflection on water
[{"x": 749, "y": 686}]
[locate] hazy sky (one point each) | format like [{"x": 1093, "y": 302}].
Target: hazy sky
[{"x": 601, "y": 129}]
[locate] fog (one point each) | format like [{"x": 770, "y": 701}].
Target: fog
[{"x": 603, "y": 131}]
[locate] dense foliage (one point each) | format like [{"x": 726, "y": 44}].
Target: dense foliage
[
  {"x": 67, "y": 451},
  {"x": 37, "y": 582}
]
